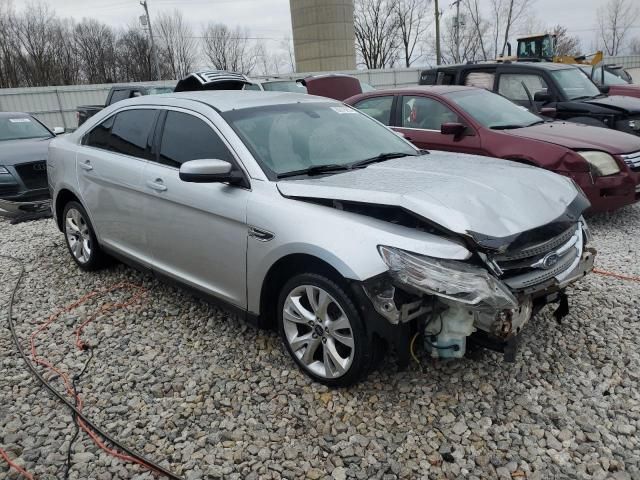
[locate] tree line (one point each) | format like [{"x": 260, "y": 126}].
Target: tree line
[
  {"x": 38, "y": 48},
  {"x": 401, "y": 33}
]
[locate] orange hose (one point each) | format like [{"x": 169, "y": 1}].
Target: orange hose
[
  {"x": 15, "y": 466},
  {"x": 616, "y": 275}
]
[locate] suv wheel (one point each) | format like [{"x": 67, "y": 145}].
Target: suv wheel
[
  {"x": 80, "y": 237},
  {"x": 322, "y": 330}
]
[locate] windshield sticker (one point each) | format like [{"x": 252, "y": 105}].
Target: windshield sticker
[
  {"x": 342, "y": 110},
  {"x": 20, "y": 120}
]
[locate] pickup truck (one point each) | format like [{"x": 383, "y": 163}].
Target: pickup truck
[{"x": 117, "y": 93}]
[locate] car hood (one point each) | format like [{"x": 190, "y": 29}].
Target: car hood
[
  {"x": 629, "y": 90},
  {"x": 14, "y": 152},
  {"x": 465, "y": 194},
  {"x": 622, "y": 103},
  {"x": 580, "y": 137}
]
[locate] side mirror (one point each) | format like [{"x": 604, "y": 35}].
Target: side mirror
[
  {"x": 209, "y": 171},
  {"x": 455, "y": 129},
  {"x": 58, "y": 130},
  {"x": 542, "y": 96},
  {"x": 548, "y": 112},
  {"x": 604, "y": 89}
]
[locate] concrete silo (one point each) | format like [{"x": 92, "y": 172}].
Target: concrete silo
[{"x": 323, "y": 35}]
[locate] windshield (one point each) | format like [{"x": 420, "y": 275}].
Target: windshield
[
  {"x": 291, "y": 86},
  {"x": 21, "y": 128},
  {"x": 298, "y": 136},
  {"x": 575, "y": 84},
  {"x": 609, "y": 78},
  {"x": 491, "y": 110}
]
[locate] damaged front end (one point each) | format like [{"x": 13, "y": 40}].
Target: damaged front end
[{"x": 487, "y": 299}]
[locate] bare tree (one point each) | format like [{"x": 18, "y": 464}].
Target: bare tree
[
  {"x": 470, "y": 43},
  {"x": 505, "y": 16},
  {"x": 412, "y": 26},
  {"x": 376, "y": 29},
  {"x": 134, "y": 56},
  {"x": 177, "y": 45},
  {"x": 480, "y": 26},
  {"x": 9, "y": 47},
  {"x": 95, "y": 44},
  {"x": 635, "y": 46},
  {"x": 615, "y": 20},
  {"x": 566, "y": 45},
  {"x": 228, "y": 49}
]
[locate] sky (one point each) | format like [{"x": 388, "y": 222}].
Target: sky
[{"x": 270, "y": 19}]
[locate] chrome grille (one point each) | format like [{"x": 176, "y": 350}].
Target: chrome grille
[
  {"x": 532, "y": 265},
  {"x": 33, "y": 175},
  {"x": 632, "y": 160}
]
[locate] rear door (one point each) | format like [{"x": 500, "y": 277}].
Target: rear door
[
  {"x": 109, "y": 169},
  {"x": 511, "y": 84},
  {"x": 197, "y": 231},
  {"x": 420, "y": 119}
]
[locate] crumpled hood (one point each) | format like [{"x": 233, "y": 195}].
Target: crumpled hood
[
  {"x": 14, "y": 152},
  {"x": 580, "y": 137},
  {"x": 622, "y": 103},
  {"x": 462, "y": 193}
]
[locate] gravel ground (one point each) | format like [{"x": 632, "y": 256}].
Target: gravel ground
[{"x": 208, "y": 397}]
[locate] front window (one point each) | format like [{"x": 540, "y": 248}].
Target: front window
[
  {"x": 284, "y": 86},
  {"x": 299, "y": 136},
  {"x": 575, "y": 84},
  {"x": 493, "y": 111},
  {"x": 21, "y": 128},
  {"x": 426, "y": 113}
]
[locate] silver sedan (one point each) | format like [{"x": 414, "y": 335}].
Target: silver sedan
[{"x": 305, "y": 215}]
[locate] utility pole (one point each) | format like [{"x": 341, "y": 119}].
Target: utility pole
[
  {"x": 154, "y": 52},
  {"x": 437, "y": 19},
  {"x": 457, "y": 31}
]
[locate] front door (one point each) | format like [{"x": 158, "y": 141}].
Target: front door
[
  {"x": 421, "y": 121},
  {"x": 517, "y": 87},
  {"x": 109, "y": 168},
  {"x": 197, "y": 231}
]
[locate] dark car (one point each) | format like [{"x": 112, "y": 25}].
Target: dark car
[
  {"x": 335, "y": 85},
  {"x": 23, "y": 164},
  {"x": 118, "y": 93},
  {"x": 537, "y": 85},
  {"x": 615, "y": 84},
  {"x": 604, "y": 163}
]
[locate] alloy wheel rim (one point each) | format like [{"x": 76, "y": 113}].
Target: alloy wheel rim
[
  {"x": 318, "y": 331},
  {"x": 78, "y": 236}
]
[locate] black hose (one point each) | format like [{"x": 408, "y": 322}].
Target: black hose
[{"x": 78, "y": 414}]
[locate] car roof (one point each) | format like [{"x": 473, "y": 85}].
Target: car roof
[
  {"x": 437, "y": 89},
  {"x": 226, "y": 100}
]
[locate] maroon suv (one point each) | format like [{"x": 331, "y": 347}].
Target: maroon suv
[{"x": 604, "y": 163}]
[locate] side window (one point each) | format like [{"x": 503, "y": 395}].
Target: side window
[
  {"x": 480, "y": 80},
  {"x": 511, "y": 86},
  {"x": 186, "y": 137},
  {"x": 377, "y": 107},
  {"x": 119, "y": 95},
  {"x": 426, "y": 113},
  {"x": 130, "y": 133},
  {"x": 99, "y": 136}
]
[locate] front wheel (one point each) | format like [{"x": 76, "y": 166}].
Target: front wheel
[{"x": 323, "y": 331}]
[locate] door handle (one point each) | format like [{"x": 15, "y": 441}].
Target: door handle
[
  {"x": 86, "y": 166},
  {"x": 157, "y": 185}
]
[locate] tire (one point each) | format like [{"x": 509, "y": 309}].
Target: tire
[
  {"x": 81, "y": 238},
  {"x": 341, "y": 352}
]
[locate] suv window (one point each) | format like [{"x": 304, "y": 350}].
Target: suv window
[
  {"x": 377, "y": 107},
  {"x": 425, "y": 113},
  {"x": 130, "y": 133},
  {"x": 119, "y": 95},
  {"x": 186, "y": 137},
  {"x": 510, "y": 85}
]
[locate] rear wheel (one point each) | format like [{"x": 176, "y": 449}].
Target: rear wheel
[
  {"x": 323, "y": 331},
  {"x": 80, "y": 237}
]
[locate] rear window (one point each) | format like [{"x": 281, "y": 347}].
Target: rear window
[{"x": 128, "y": 133}]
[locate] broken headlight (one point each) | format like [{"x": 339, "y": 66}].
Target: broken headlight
[
  {"x": 601, "y": 164},
  {"x": 449, "y": 279}
]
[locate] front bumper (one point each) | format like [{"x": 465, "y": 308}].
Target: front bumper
[
  {"x": 609, "y": 193},
  {"x": 18, "y": 207}
]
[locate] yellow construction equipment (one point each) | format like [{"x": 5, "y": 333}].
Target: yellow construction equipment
[{"x": 542, "y": 47}]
